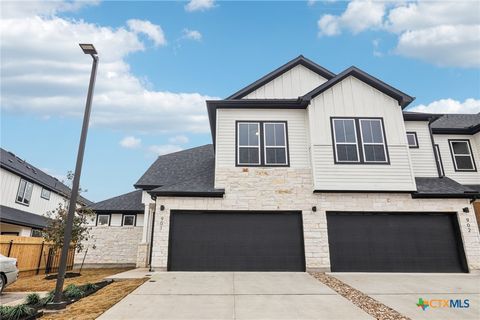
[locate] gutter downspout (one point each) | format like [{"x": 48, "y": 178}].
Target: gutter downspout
[
  {"x": 150, "y": 269},
  {"x": 437, "y": 161}
]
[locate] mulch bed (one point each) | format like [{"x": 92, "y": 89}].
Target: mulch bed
[{"x": 369, "y": 305}]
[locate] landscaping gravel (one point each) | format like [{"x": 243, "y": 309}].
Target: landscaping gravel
[{"x": 366, "y": 303}]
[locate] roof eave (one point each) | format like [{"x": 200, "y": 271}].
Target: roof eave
[
  {"x": 466, "y": 195},
  {"x": 210, "y": 194}
]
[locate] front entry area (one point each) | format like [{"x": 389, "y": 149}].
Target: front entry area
[
  {"x": 395, "y": 242},
  {"x": 236, "y": 241}
]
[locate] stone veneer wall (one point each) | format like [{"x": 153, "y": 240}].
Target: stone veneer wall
[
  {"x": 292, "y": 189},
  {"x": 114, "y": 246}
]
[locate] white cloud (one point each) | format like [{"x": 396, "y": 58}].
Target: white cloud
[
  {"x": 311, "y": 2},
  {"x": 152, "y": 31},
  {"x": 130, "y": 142},
  {"x": 449, "y": 106},
  {"x": 17, "y": 9},
  {"x": 359, "y": 16},
  {"x": 376, "y": 50},
  {"x": 164, "y": 149},
  {"x": 192, "y": 34},
  {"x": 199, "y": 5},
  {"x": 180, "y": 139},
  {"x": 445, "y": 33},
  {"x": 51, "y": 80}
]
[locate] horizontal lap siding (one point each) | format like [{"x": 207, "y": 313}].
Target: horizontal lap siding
[
  {"x": 297, "y": 133},
  {"x": 353, "y": 98},
  {"x": 423, "y": 158},
  {"x": 291, "y": 84},
  {"x": 461, "y": 177}
]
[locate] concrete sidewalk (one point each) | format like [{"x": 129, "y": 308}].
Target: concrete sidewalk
[
  {"x": 402, "y": 291},
  {"x": 234, "y": 295}
]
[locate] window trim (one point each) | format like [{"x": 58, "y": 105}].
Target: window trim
[
  {"x": 384, "y": 143},
  {"x": 238, "y": 146},
  {"x": 49, "y": 194},
  {"x": 24, "y": 190},
  {"x": 334, "y": 137},
  {"x": 134, "y": 219},
  {"x": 439, "y": 159},
  {"x": 103, "y": 214},
  {"x": 416, "y": 146},
  {"x": 358, "y": 134},
  {"x": 262, "y": 146},
  {"x": 285, "y": 147},
  {"x": 472, "y": 159}
]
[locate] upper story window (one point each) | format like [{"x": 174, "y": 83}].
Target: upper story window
[
  {"x": 129, "y": 220},
  {"x": 262, "y": 143},
  {"x": 412, "y": 139},
  {"x": 24, "y": 193},
  {"x": 45, "y": 194},
  {"x": 359, "y": 140},
  {"x": 462, "y": 155}
]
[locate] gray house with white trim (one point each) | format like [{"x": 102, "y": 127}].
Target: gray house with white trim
[{"x": 311, "y": 170}]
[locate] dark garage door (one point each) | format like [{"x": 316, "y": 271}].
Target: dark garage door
[
  {"x": 395, "y": 242},
  {"x": 236, "y": 241}
]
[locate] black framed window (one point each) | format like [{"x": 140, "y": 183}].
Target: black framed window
[
  {"x": 248, "y": 149},
  {"x": 24, "y": 193},
  {"x": 262, "y": 143},
  {"x": 45, "y": 194},
  {"x": 462, "y": 155},
  {"x": 345, "y": 139},
  {"x": 103, "y": 220},
  {"x": 412, "y": 139},
  {"x": 373, "y": 141},
  {"x": 128, "y": 220},
  {"x": 359, "y": 140}
]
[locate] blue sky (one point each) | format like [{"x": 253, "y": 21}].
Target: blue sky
[{"x": 159, "y": 61}]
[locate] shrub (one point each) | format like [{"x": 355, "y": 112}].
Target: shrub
[
  {"x": 32, "y": 299},
  {"x": 19, "y": 312},
  {"x": 48, "y": 298},
  {"x": 90, "y": 287},
  {"x": 5, "y": 311},
  {"x": 73, "y": 292}
]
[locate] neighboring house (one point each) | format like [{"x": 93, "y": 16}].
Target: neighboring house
[
  {"x": 26, "y": 195},
  {"x": 313, "y": 170}
]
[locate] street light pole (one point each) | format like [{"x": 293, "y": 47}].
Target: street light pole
[{"x": 57, "y": 300}]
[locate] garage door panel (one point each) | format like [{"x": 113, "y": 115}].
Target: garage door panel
[
  {"x": 236, "y": 241},
  {"x": 395, "y": 242}
]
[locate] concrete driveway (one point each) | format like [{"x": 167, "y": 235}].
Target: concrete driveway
[
  {"x": 402, "y": 291},
  {"x": 234, "y": 295}
]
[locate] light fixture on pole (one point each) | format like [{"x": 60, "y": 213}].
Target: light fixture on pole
[{"x": 57, "y": 300}]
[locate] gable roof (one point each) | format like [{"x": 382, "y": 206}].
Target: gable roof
[
  {"x": 188, "y": 171},
  {"x": 300, "y": 60},
  {"x": 22, "y": 218},
  {"x": 402, "y": 98},
  {"x": 12, "y": 163},
  {"x": 131, "y": 201},
  {"x": 457, "y": 123}
]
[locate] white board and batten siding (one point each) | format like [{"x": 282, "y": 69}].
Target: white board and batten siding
[
  {"x": 225, "y": 148},
  {"x": 353, "y": 98},
  {"x": 9, "y": 183},
  {"x": 470, "y": 177},
  {"x": 423, "y": 157},
  {"x": 290, "y": 85}
]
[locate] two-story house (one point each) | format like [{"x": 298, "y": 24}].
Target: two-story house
[
  {"x": 312, "y": 170},
  {"x": 26, "y": 195}
]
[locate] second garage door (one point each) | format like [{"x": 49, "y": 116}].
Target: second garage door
[
  {"x": 395, "y": 242},
  {"x": 236, "y": 241}
]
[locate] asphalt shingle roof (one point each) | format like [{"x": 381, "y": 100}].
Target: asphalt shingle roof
[
  {"x": 444, "y": 187},
  {"x": 190, "y": 171},
  {"x": 13, "y": 163},
  {"x": 131, "y": 201},
  {"x": 457, "y": 121},
  {"x": 23, "y": 218}
]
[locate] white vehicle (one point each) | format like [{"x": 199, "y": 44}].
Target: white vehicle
[{"x": 8, "y": 271}]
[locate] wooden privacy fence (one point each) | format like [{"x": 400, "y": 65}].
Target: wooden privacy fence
[{"x": 33, "y": 255}]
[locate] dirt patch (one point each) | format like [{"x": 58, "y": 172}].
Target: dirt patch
[
  {"x": 38, "y": 283},
  {"x": 94, "y": 305},
  {"x": 369, "y": 305}
]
